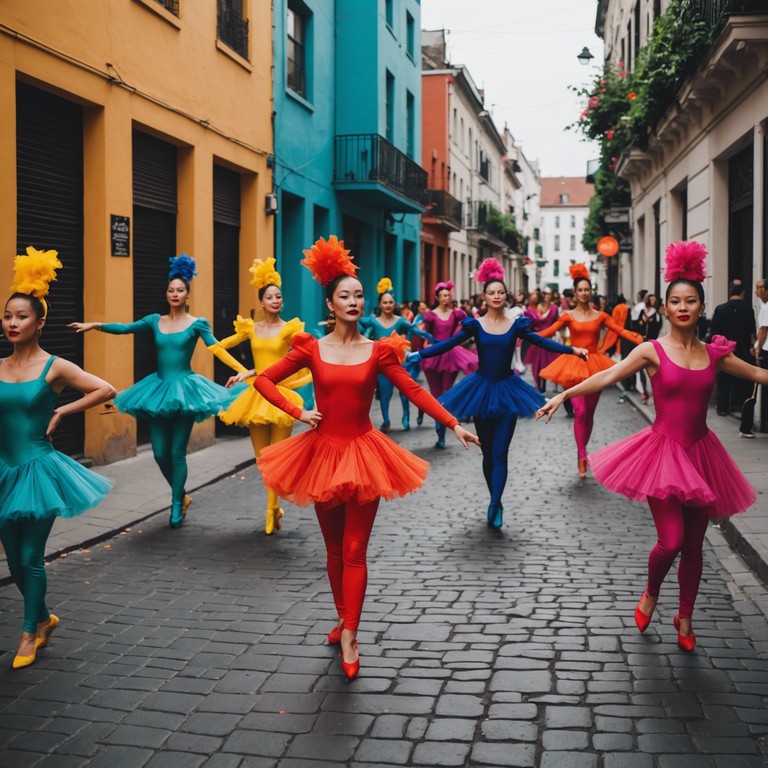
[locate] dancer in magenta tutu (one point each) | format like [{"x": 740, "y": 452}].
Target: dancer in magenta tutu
[
  {"x": 541, "y": 314},
  {"x": 677, "y": 465},
  {"x": 495, "y": 395},
  {"x": 443, "y": 322}
]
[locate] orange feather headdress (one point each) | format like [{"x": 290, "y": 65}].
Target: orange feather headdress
[
  {"x": 327, "y": 259},
  {"x": 578, "y": 271}
]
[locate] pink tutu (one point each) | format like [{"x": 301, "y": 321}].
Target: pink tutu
[
  {"x": 454, "y": 360},
  {"x": 651, "y": 464}
]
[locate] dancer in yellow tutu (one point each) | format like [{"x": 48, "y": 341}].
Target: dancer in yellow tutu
[{"x": 270, "y": 341}]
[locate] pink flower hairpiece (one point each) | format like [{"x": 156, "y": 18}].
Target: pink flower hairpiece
[
  {"x": 685, "y": 259},
  {"x": 447, "y": 284},
  {"x": 490, "y": 269}
]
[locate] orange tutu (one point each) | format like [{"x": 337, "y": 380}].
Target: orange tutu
[
  {"x": 569, "y": 370},
  {"x": 310, "y": 468}
]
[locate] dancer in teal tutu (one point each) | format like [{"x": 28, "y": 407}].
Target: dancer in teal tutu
[
  {"x": 380, "y": 327},
  {"x": 495, "y": 395},
  {"x": 175, "y": 397},
  {"x": 37, "y": 483}
]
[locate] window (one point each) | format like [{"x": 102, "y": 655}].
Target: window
[
  {"x": 390, "y": 106},
  {"x": 389, "y": 12},
  {"x": 232, "y": 28},
  {"x": 564, "y": 199},
  {"x": 557, "y": 222},
  {"x": 455, "y": 127},
  {"x": 557, "y": 242},
  {"x": 295, "y": 65},
  {"x": 410, "y": 35},
  {"x": 573, "y": 222},
  {"x": 410, "y": 127},
  {"x": 170, "y": 5},
  {"x": 556, "y": 267},
  {"x": 461, "y": 134},
  {"x": 573, "y": 242}
]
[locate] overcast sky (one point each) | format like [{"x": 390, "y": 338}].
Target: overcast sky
[{"x": 524, "y": 55}]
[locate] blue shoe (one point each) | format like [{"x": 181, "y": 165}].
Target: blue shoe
[
  {"x": 495, "y": 516},
  {"x": 177, "y": 515},
  {"x": 420, "y": 418},
  {"x": 406, "y": 422},
  {"x": 440, "y": 443}
]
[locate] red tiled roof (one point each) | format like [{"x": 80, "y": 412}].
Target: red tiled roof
[{"x": 578, "y": 191}]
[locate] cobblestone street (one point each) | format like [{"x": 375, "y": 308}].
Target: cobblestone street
[{"x": 206, "y": 646}]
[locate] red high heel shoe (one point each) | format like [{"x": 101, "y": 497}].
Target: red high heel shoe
[
  {"x": 686, "y": 642},
  {"x": 642, "y": 619},
  {"x": 351, "y": 669},
  {"x": 334, "y": 636},
  {"x": 583, "y": 468}
]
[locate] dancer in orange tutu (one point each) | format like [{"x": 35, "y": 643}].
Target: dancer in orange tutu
[
  {"x": 584, "y": 324},
  {"x": 343, "y": 465}
]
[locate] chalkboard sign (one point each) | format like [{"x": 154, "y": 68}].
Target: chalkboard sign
[{"x": 120, "y": 229}]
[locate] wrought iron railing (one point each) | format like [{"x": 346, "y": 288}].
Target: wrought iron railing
[
  {"x": 443, "y": 205},
  {"x": 232, "y": 28},
  {"x": 716, "y": 12},
  {"x": 370, "y": 157},
  {"x": 481, "y": 218},
  {"x": 170, "y": 5}
]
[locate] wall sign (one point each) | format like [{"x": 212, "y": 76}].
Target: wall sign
[{"x": 120, "y": 231}]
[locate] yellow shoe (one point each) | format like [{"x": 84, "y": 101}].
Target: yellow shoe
[
  {"x": 272, "y": 523},
  {"x": 278, "y": 514},
  {"x": 44, "y": 640},
  {"x": 24, "y": 661},
  {"x": 185, "y": 505}
]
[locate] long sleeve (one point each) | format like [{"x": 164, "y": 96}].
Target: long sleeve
[
  {"x": 390, "y": 366},
  {"x": 266, "y": 383},
  {"x": 635, "y": 338},
  {"x": 556, "y": 326},
  {"x": 365, "y": 324},
  {"x": 242, "y": 333},
  {"x": 421, "y": 334},
  {"x": 464, "y": 335},
  {"x": 144, "y": 325},
  {"x": 548, "y": 344}
]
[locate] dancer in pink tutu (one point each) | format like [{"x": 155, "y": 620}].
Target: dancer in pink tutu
[
  {"x": 677, "y": 465},
  {"x": 541, "y": 314},
  {"x": 443, "y": 322}
]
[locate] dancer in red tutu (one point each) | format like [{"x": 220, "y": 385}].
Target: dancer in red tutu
[
  {"x": 343, "y": 465},
  {"x": 677, "y": 464}
]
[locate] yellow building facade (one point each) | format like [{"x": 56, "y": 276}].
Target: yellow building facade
[{"x": 132, "y": 131}]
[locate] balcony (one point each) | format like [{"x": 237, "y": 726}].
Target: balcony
[
  {"x": 378, "y": 173},
  {"x": 490, "y": 227},
  {"x": 232, "y": 28},
  {"x": 716, "y": 12},
  {"x": 443, "y": 210}
]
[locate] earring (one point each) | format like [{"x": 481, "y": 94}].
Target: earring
[{"x": 39, "y": 332}]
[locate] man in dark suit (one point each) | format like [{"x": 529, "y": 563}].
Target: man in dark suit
[{"x": 736, "y": 321}]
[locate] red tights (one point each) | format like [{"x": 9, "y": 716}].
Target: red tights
[
  {"x": 680, "y": 530},
  {"x": 346, "y": 530},
  {"x": 583, "y": 420}
]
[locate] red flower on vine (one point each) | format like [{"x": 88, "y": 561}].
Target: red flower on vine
[
  {"x": 631, "y": 96},
  {"x": 594, "y": 101},
  {"x": 609, "y": 135}
]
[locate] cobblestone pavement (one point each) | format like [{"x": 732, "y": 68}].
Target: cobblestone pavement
[{"x": 205, "y": 646}]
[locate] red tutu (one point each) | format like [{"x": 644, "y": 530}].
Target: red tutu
[
  {"x": 311, "y": 468},
  {"x": 570, "y": 370},
  {"x": 651, "y": 464}
]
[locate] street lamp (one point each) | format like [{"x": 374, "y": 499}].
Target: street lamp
[{"x": 585, "y": 56}]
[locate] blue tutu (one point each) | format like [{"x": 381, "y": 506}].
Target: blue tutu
[
  {"x": 51, "y": 484},
  {"x": 475, "y": 395},
  {"x": 181, "y": 394}
]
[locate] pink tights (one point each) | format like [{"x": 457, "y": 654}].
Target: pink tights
[
  {"x": 346, "y": 529},
  {"x": 440, "y": 381},
  {"x": 583, "y": 421},
  {"x": 680, "y": 530}
]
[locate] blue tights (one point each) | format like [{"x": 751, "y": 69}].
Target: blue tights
[
  {"x": 24, "y": 542},
  {"x": 169, "y": 438},
  {"x": 495, "y": 436},
  {"x": 386, "y": 390}
]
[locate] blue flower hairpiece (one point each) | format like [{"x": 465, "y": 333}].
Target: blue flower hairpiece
[{"x": 183, "y": 266}]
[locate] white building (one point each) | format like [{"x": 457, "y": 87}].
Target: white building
[{"x": 564, "y": 208}]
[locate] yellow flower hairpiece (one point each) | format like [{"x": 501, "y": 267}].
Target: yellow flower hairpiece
[
  {"x": 264, "y": 273},
  {"x": 384, "y": 286},
  {"x": 33, "y": 272}
]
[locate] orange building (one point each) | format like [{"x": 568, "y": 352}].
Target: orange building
[{"x": 132, "y": 131}]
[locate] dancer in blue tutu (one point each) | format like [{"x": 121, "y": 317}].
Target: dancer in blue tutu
[
  {"x": 37, "y": 483},
  {"x": 494, "y": 395},
  {"x": 175, "y": 397},
  {"x": 380, "y": 327}
]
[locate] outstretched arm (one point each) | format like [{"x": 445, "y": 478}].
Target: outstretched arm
[
  {"x": 637, "y": 360},
  {"x": 635, "y": 338},
  {"x": 556, "y": 326},
  {"x": 139, "y": 326},
  {"x": 737, "y": 367},
  {"x": 441, "y": 347},
  {"x": 551, "y": 345}
]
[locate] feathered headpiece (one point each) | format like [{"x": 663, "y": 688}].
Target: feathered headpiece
[
  {"x": 578, "y": 271},
  {"x": 183, "y": 266},
  {"x": 33, "y": 273},
  {"x": 384, "y": 286},
  {"x": 685, "y": 259},
  {"x": 327, "y": 259},
  {"x": 264, "y": 273},
  {"x": 490, "y": 269},
  {"x": 447, "y": 284}
]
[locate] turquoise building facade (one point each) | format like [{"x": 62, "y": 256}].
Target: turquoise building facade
[{"x": 347, "y": 125}]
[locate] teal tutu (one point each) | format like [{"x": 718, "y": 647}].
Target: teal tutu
[
  {"x": 50, "y": 485},
  {"x": 475, "y": 395},
  {"x": 189, "y": 394}
]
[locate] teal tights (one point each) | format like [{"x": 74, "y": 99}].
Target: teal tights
[
  {"x": 24, "y": 542},
  {"x": 169, "y": 438}
]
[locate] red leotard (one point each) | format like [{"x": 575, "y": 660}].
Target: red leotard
[{"x": 345, "y": 457}]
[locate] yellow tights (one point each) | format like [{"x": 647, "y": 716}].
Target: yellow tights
[{"x": 263, "y": 435}]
